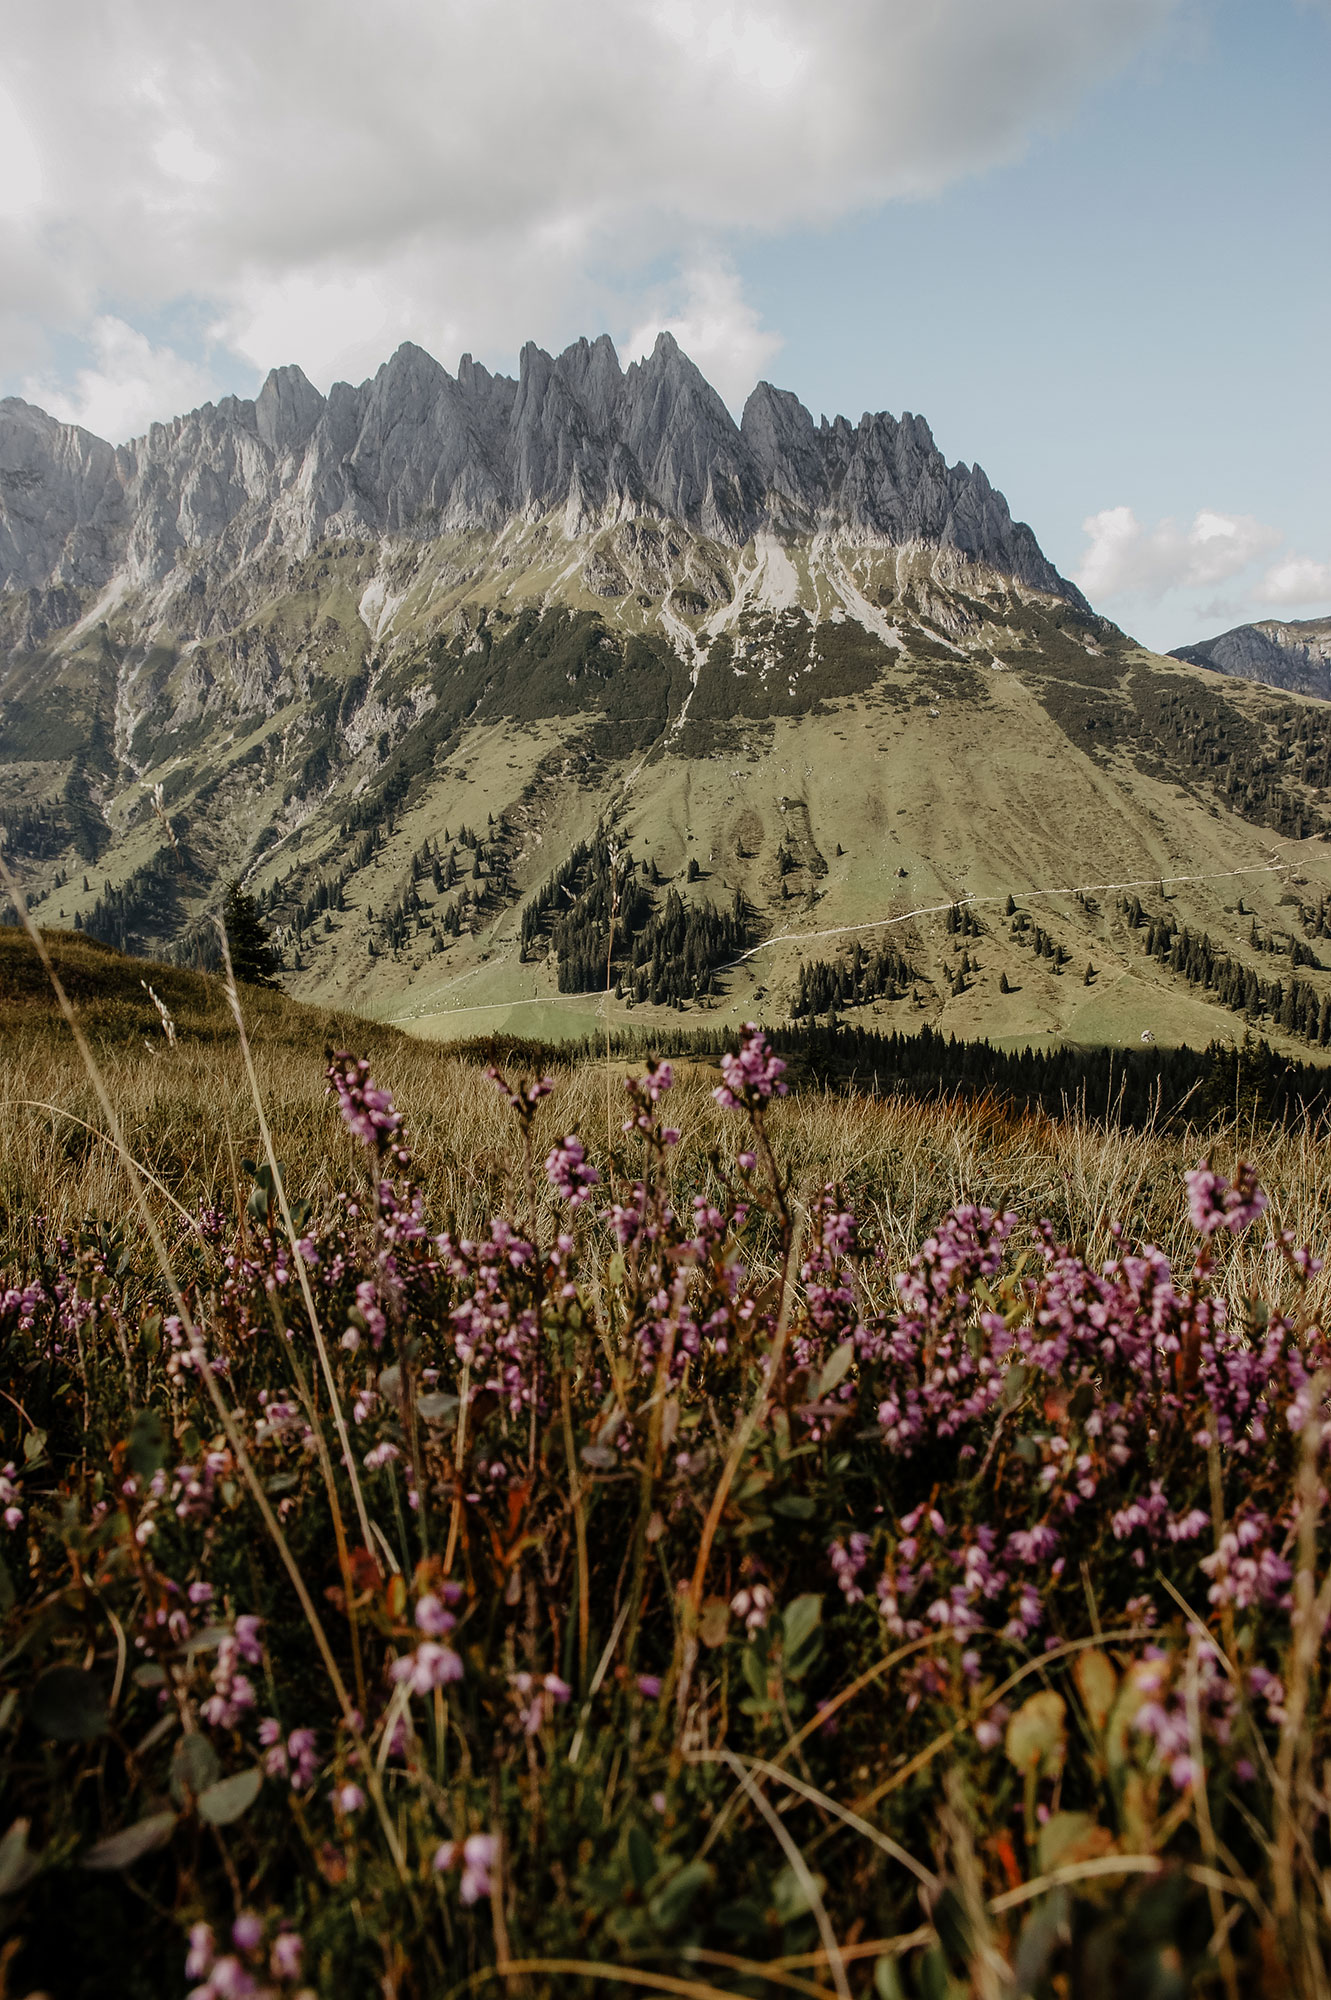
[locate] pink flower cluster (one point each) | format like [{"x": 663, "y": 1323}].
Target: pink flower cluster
[
  {"x": 1214, "y": 1204},
  {"x": 432, "y": 1665},
  {"x": 569, "y": 1172},
  {"x": 751, "y": 1076},
  {"x": 479, "y": 1857},
  {"x": 367, "y": 1111},
  {"x": 233, "y": 1692},
  {"x": 296, "y": 1759},
  {"x": 240, "y": 1974}
]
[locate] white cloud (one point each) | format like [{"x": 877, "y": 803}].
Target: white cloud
[
  {"x": 714, "y": 325},
  {"x": 329, "y": 176},
  {"x": 130, "y": 383},
  {"x": 1126, "y": 560},
  {"x": 1294, "y": 583}
]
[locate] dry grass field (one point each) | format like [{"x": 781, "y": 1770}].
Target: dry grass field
[{"x": 787, "y": 1569}]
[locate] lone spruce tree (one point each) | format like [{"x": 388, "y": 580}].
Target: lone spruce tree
[{"x": 253, "y": 959}]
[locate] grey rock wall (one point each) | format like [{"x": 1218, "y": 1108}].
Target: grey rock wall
[
  {"x": 418, "y": 452},
  {"x": 1295, "y": 655}
]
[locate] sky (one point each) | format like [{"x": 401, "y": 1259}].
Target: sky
[{"x": 1089, "y": 240}]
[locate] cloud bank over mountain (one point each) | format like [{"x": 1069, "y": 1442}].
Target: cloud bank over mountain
[
  {"x": 1129, "y": 566},
  {"x": 327, "y": 180}
]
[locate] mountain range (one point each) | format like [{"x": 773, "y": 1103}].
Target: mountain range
[
  {"x": 1282, "y": 654},
  {"x": 485, "y": 686}
]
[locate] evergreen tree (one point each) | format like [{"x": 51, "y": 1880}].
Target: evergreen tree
[{"x": 252, "y": 956}]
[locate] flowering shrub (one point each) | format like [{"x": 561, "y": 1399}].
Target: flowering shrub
[{"x": 382, "y": 1602}]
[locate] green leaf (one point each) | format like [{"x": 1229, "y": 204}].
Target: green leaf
[
  {"x": 1070, "y": 1836},
  {"x": 835, "y": 1368},
  {"x": 193, "y": 1767},
  {"x": 935, "y": 1981},
  {"x": 799, "y": 1622},
  {"x": 790, "y": 1898},
  {"x": 122, "y": 1850},
  {"x": 34, "y": 1444},
  {"x": 672, "y": 1902},
  {"x": 887, "y": 1980},
  {"x": 68, "y": 1705},
  {"x": 436, "y": 1408},
  {"x": 149, "y": 1675},
  {"x": 642, "y": 1859},
  {"x": 282, "y": 1482},
  {"x": 795, "y": 1506},
  {"x": 1035, "y": 1740},
  {"x": 714, "y": 1623},
  {"x": 1097, "y": 1684},
  {"x": 149, "y": 1442},
  {"x": 17, "y": 1866},
  {"x": 228, "y": 1799},
  {"x": 755, "y": 1672},
  {"x": 1015, "y": 1379}
]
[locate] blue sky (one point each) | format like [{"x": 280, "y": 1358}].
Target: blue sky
[
  {"x": 1137, "y": 313},
  {"x": 1087, "y": 239}
]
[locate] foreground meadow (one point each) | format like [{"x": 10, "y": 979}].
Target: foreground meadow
[{"x": 613, "y": 1530}]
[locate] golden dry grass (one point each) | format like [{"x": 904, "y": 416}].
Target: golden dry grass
[{"x": 189, "y": 1117}]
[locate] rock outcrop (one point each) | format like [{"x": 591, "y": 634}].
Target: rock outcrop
[
  {"x": 416, "y": 452},
  {"x": 1296, "y": 656}
]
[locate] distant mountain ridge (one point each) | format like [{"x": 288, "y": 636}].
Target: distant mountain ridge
[
  {"x": 419, "y": 453},
  {"x": 1286, "y": 654}
]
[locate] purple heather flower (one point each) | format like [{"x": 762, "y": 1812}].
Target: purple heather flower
[
  {"x": 568, "y": 1172},
  {"x": 431, "y": 1666},
  {"x": 304, "y": 1759},
  {"x": 526, "y": 1097},
  {"x": 752, "y": 1075},
  {"x": 480, "y": 1852},
  {"x": 247, "y": 1932},
  {"x": 202, "y": 1947},
  {"x": 287, "y": 1955},
  {"x": 367, "y": 1111},
  {"x": 753, "y": 1604},
  {"x": 431, "y": 1617},
  {"x": 1213, "y": 1204},
  {"x": 229, "y": 1980}
]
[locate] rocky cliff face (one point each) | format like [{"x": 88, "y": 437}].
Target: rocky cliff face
[
  {"x": 1296, "y": 656},
  {"x": 419, "y": 453}
]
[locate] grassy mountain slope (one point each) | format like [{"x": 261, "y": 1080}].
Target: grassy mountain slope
[{"x": 397, "y": 745}]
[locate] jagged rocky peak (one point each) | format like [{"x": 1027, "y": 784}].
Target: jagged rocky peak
[
  {"x": 417, "y": 452},
  {"x": 286, "y": 410},
  {"x": 1293, "y": 654}
]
